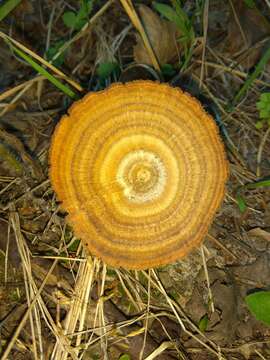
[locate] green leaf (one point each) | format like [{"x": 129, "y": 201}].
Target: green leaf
[
  {"x": 179, "y": 18},
  {"x": 265, "y": 97},
  {"x": 259, "y": 124},
  {"x": 7, "y": 7},
  {"x": 104, "y": 70},
  {"x": 69, "y": 19},
  {"x": 168, "y": 70},
  {"x": 264, "y": 102},
  {"x": 259, "y": 305},
  {"x": 74, "y": 246},
  {"x": 250, "y": 3},
  {"x": 77, "y": 21},
  {"x": 181, "y": 13},
  {"x": 54, "y": 50},
  {"x": 241, "y": 203},
  {"x": 73, "y": 21},
  {"x": 167, "y": 11},
  {"x": 86, "y": 8},
  {"x": 125, "y": 357},
  {"x": 260, "y": 105},
  {"x": 203, "y": 323},
  {"x": 264, "y": 114},
  {"x": 263, "y": 105}
]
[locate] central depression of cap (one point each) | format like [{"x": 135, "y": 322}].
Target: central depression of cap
[{"x": 141, "y": 170}]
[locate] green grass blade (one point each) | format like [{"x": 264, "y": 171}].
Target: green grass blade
[
  {"x": 65, "y": 89},
  {"x": 258, "y": 184},
  {"x": 258, "y": 69},
  {"x": 239, "y": 198},
  {"x": 7, "y": 7}
]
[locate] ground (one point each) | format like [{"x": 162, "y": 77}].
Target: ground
[{"x": 58, "y": 302}]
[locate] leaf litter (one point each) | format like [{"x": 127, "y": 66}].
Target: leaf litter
[
  {"x": 248, "y": 33},
  {"x": 162, "y": 35},
  {"x": 79, "y": 307}
]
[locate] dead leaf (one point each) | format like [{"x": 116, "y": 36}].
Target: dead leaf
[
  {"x": 25, "y": 7},
  {"x": 162, "y": 35},
  {"x": 260, "y": 233},
  {"x": 247, "y": 27},
  {"x": 30, "y": 163}
]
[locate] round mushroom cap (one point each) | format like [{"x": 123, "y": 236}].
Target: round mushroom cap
[{"x": 141, "y": 170}]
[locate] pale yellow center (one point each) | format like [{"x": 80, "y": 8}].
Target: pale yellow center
[{"x": 142, "y": 176}]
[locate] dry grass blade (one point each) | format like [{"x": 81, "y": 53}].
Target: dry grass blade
[
  {"x": 101, "y": 315},
  {"x": 64, "y": 88},
  {"x": 6, "y": 178},
  {"x": 26, "y": 267},
  {"x": 147, "y": 316},
  {"x": 260, "y": 151},
  {"x": 248, "y": 83},
  {"x": 26, "y": 86},
  {"x": 205, "y": 29},
  {"x": 248, "y": 30},
  {"x": 218, "y": 243},
  {"x": 19, "y": 87},
  {"x": 11, "y": 203},
  {"x": 229, "y": 142},
  {"x": 36, "y": 297},
  {"x": 41, "y": 60},
  {"x": 181, "y": 318},
  {"x": 7, "y": 253},
  {"x": 238, "y": 24},
  {"x": 260, "y": 355},
  {"x": 61, "y": 258},
  {"x": 16, "y": 98},
  {"x": 165, "y": 345},
  {"x": 8, "y": 186},
  {"x": 135, "y": 303},
  {"x": 77, "y": 312},
  {"x": 130, "y": 10},
  {"x": 210, "y": 295},
  {"x": 232, "y": 71},
  {"x": 260, "y": 233}
]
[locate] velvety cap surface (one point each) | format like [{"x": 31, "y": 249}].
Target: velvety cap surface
[{"x": 141, "y": 170}]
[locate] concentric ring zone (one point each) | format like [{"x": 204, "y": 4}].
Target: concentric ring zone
[{"x": 141, "y": 170}]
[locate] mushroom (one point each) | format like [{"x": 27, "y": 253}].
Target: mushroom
[{"x": 141, "y": 170}]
